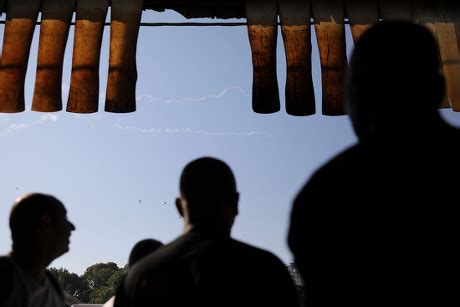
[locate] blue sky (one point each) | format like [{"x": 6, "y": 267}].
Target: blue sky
[{"x": 194, "y": 93}]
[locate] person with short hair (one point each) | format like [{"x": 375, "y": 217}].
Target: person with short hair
[
  {"x": 139, "y": 251},
  {"x": 40, "y": 233},
  {"x": 377, "y": 224},
  {"x": 205, "y": 266}
]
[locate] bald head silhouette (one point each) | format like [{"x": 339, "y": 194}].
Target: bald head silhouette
[{"x": 394, "y": 82}]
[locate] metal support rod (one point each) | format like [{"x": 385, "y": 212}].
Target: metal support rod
[{"x": 185, "y": 24}]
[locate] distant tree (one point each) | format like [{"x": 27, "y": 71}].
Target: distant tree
[
  {"x": 70, "y": 300},
  {"x": 115, "y": 280},
  {"x": 98, "y": 274},
  {"x": 97, "y": 285},
  {"x": 71, "y": 283},
  {"x": 103, "y": 279}
]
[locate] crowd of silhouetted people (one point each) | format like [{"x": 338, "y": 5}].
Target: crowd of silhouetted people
[{"x": 375, "y": 226}]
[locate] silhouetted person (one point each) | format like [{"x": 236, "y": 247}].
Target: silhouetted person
[
  {"x": 205, "y": 266},
  {"x": 40, "y": 232},
  {"x": 377, "y": 224},
  {"x": 139, "y": 251}
]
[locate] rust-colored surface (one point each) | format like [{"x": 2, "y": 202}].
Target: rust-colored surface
[
  {"x": 457, "y": 30},
  {"x": 124, "y": 31},
  {"x": 262, "y": 18},
  {"x": 89, "y": 28},
  {"x": 332, "y": 51},
  {"x": 265, "y": 94},
  {"x": 48, "y": 82},
  {"x": 54, "y": 32},
  {"x": 300, "y": 96},
  {"x": 295, "y": 25},
  {"x": 358, "y": 30},
  {"x": 450, "y": 58},
  {"x": 13, "y": 67}
]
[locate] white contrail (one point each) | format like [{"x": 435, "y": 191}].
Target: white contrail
[
  {"x": 188, "y": 131},
  {"x": 90, "y": 117},
  {"x": 43, "y": 120},
  {"x": 150, "y": 98}
]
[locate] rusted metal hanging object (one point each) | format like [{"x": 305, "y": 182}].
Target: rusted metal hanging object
[
  {"x": 54, "y": 32},
  {"x": 450, "y": 57},
  {"x": 362, "y": 14},
  {"x": 295, "y": 24},
  {"x": 124, "y": 32},
  {"x": 330, "y": 33},
  {"x": 89, "y": 28},
  {"x": 457, "y": 28},
  {"x": 439, "y": 18},
  {"x": 262, "y": 19},
  {"x": 19, "y": 30}
]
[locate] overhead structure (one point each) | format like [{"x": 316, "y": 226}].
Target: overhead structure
[
  {"x": 54, "y": 33},
  {"x": 124, "y": 31},
  {"x": 84, "y": 82},
  {"x": 297, "y": 18},
  {"x": 17, "y": 39},
  {"x": 262, "y": 16}
]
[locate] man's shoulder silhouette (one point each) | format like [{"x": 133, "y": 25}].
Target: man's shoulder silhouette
[{"x": 200, "y": 269}]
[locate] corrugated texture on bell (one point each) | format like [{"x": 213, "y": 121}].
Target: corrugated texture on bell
[
  {"x": 124, "y": 32},
  {"x": 263, "y": 32},
  {"x": 438, "y": 16},
  {"x": 362, "y": 14},
  {"x": 457, "y": 30},
  {"x": 330, "y": 33},
  {"x": 19, "y": 30},
  {"x": 295, "y": 25},
  {"x": 54, "y": 32},
  {"x": 89, "y": 28}
]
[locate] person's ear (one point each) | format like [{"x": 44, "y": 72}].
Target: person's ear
[
  {"x": 179, "y": 206},
  {"x": 237, "y": 199}
]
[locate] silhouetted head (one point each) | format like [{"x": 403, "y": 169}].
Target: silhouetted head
[
  {"x": 208, "y": 194},
  {"x": 142, "y": 249},
  {"x": 39, "y": 221},
  {"x": 394, "y": 81}
]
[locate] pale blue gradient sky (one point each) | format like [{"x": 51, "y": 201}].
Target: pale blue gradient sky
[{"x": 195, "y": 88}]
